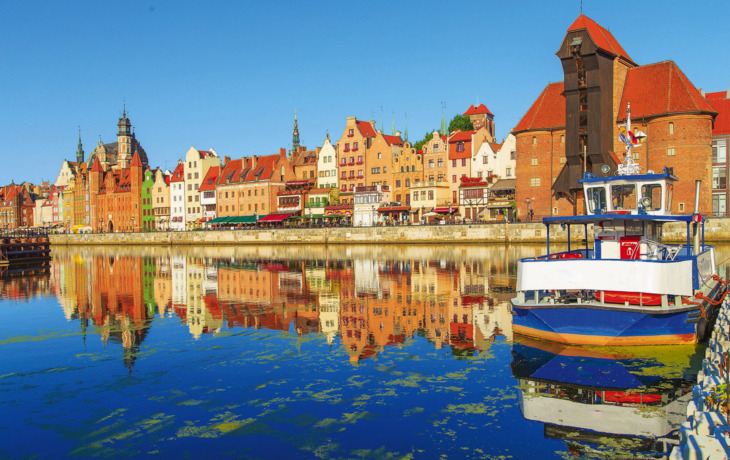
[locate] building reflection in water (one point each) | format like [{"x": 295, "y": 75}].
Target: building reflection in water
[
  {"x": 359, "y": 298},
  {"x": 620, "y": 403}
]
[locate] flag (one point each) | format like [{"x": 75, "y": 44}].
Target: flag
[
  {"x": 623, "y": 138},
  {"x": 633, "y": 138}
]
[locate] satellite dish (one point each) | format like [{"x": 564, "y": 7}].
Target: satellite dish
[{"x": 605, "y": 169}]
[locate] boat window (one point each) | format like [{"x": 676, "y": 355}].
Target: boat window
[
  {"x": 596, "y": 199},
  {"x": 623, "y": 197},
  {"x": 668, "y": 204},
  {"x": 654, "y": 192}
]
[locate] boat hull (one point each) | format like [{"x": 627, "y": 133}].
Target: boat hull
[{"x": 605, "y": 326}]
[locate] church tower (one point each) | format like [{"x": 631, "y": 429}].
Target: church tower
[
  {"x": 124, "y": 137},
  {"x": 295, "y": 136},
  {"x": 79, "y": 151}
]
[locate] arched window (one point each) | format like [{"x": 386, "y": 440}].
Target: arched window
[{"x": 401, "y": 169}]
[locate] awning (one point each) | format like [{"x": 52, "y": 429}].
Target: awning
[
  {"x": 275, "y": 217},
  {"x": 394, "y": 209},
  {"x": 219, "y": 220},
  {"x": 243, "y": 219},
  {"x": 447, "y": 210}
]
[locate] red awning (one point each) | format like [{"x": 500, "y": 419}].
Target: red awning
[
  {"x": 394, "y": 208},
  {"x": 451, "y": 210},
  {"x": 275, "y": 217}
]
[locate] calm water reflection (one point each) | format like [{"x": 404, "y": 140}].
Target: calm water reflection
[{"x": 337, "y": 352}]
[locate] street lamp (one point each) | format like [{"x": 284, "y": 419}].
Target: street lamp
[
  {"x": 133, "y": 223},
  {"x": 529, "y": 217},
  {"x": 101, "y": 228}
]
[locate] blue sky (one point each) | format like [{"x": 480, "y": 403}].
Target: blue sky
[{"x": 228, "y": 75}]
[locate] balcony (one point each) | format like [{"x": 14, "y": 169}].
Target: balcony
[
  {"x": 355, "y": 149},
  {"x": 359, "y": 162},
  {"x": 352, "y": 163},
  {"x": 346, "y": 149},
  {"x": 360, "y": 176},
  {"x": 351, "y": 135},
  {"x": 316, "y": 204}
]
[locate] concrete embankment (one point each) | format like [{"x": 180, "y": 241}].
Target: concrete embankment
[
  {"x": 716, "y": 230},
  {"x": 706, "y": 433}
]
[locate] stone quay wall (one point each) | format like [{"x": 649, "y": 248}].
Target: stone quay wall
[
  {"x": 706, "y": 433},
  {"x": 716, "y": 231}
]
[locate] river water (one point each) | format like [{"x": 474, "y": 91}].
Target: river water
[{"x": 313, "y": 352}]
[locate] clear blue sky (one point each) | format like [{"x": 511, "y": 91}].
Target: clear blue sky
[{"x": 229, "y": 74}]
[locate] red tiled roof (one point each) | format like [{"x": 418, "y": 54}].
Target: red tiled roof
[
  {"x": 660, "y": 89},
  {"x": 366, "y": 129},
  {"x": 392, "y": 139},
  {"x": 721, "y": 103},
  {"x": 600, "y": 36},
  {"x": 461, "y": 136},
  {"x": 230, "y": 171},
  {"x": 135, "y": 160},
  {"x": 97, "y": 166},
  {"x": 167, "y": 179},
  {"x": 548, "y": 111},
  {"x": 178, "y": 174},
  {"x": 480, "y": 109},
  {"x": 210, "y": 179},
  {"x": 495, "y": 146}
]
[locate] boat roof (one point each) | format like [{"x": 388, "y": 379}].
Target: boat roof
[
  {"x": 612, "y": 216},
  {"x": 633, "y": 177}
]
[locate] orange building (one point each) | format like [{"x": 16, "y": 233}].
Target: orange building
[
  {"x": 16, "y": 207},
  {"x": 249, "y": 186},
  {"x": 379, "y": 158},
  {"x": 116, "y": 197},
  {"x": 352, "y": 148}
]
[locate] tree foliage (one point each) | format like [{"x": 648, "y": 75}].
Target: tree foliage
[
  {"x": 460, "y": 122},
  {"x": 419, "y": 145}
]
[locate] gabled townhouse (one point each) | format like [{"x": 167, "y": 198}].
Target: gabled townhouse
[
  {"x": 435, "y": 155},
  {"x": 207, "y": 192},
  {"x": 304, "y": 163},
  {"x": 379, "y": 158},
  {"x": 177, "y": 198},
  {"x": 197, "y": 163},
  {"x": 459, "y": 161},
  {"x": 161, "y": 199},
  {"x": 495, "y": 160},
  {"x": 407, "y": 170},
  {"x": 16, "y": 207},
  {"x": 327, "y": 165},
  {"x": 351, "y": 150},
  {"x": 148, "y": 212}
]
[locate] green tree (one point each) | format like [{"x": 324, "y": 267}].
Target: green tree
[
  {"x": 419, "y": 145},
  {"x": 461, "y": 122}
]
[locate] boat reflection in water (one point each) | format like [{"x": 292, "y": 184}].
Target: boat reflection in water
[{"x": 606, "y": 402}]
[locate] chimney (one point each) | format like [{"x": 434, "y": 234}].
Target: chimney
[
  {"x": 282, "y": 151},
  {"x": 253, "y": 161},
  {"x": 226, "y": 159},
  {"x": 372, "y": 123}
]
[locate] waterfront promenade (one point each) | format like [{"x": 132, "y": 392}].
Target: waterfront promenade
[{"x": 716, "y": 231}]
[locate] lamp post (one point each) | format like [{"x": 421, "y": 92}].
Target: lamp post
[
  {"x": 133, "y": 223},
  {"x": 101, "y": 225},
  {"x": 529, "y": 217}
]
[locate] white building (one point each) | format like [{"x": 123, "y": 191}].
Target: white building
[
  {"x": 327, "y": 166},
  {"x": 197, "y": 163},
  {"x": 366, "y": 201},
  {"x": 207, "y": 193},
  {"x": 495, "y": 160},
  {"x": 177, "y": 198}
]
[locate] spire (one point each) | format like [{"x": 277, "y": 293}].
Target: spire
[
  {"x": 443, "y": 122},
  {"x": 405, "y": 133},
  {"x": 79, "y": 150},
  {"x": 135, "y": 160},
  {"x": 295, "y": 134}
]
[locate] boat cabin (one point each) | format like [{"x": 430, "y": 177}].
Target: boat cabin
[{"x": 638, "y": 194}]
